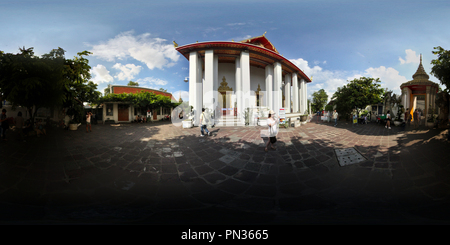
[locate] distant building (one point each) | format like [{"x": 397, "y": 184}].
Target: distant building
[
  {"x": 419, "y": 93},
  {"x": 126, "y": 112}
]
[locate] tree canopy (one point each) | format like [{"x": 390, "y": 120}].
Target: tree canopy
[
  {"x": 319, "y": 100},
  {"x": 441, "y": 66},
  {"x": 131, "y": 83},
  {"x": 143, "y": 99},
  {"x": 78, "y": 88},
  {"x": 48, "y": 81},
  {"x": 357, "y": 94},
  {"x": 30, "y": 81}
]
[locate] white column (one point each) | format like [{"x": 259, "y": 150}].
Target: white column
[
  {"x": 287, "y": 92},
  {"x": 305, "y": 98},
  {"x": 277, "y": 78},
  {"x": 193, "y": 77},
  {"x": 208, "y": 85},
  {"x": 245, "y": 78},
  {"x": 269, "y": 87},
  {"x": 300, "y": 93},
  {"x": 405, "y": 98},
  {"x": 428, "y": 100},
  {"x": 216, "y": 84},
  {"x": 295, "y": 98},
  {"x": 238, "y": 89},
  {"x": 199, "y": 93}
]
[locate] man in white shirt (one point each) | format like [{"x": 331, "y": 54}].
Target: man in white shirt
[
  {"x": 335, "y": 117},
  {"x": 203, "y": 123}
]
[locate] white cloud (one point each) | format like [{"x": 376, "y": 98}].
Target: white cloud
[
  {"x": 235, "y": 24},
  {"x": 321, "y": 79},
  {"x": 389, "y": 77},
  {"x": 331, "y": 80},
  {"x": 101, "y": 75},
  {"x": 151, "y": 81},
  {"x": 237, "y": 39},
  {"x": 411, "y": 57},
  {"x": 184, "y": 95},
  {"x": 154, "y": 52},
  {"x": 303, "y": 65},
  {"x": 127, "y": 72}
]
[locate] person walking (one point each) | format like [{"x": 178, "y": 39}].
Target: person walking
[
  {"x": 19, "y": 126},
  {"x": 204, "y": 122},
  {"x": 388, "y": 120},
  {"x": 335, "y": 117},
  {"x": 4, "y": 124},
  {"x": 272, "y": 122},
  {"x": 419, "y": 116},
  {"x": 407, "y": 118},
  {"x": 88, "y": 122},
  {"x": 416, "y": 119}
]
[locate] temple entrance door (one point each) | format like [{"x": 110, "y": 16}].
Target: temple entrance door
[
  {"x": 123, "y": 112},
  {"x": 225, "y": 92},
  {"x": 226, "y": 103},
  {"x": 155, "y": 114},
  {"x": 419, "y": 103}
]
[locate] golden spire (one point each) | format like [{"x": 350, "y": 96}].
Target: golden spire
[{"x": 420, "y": 73}]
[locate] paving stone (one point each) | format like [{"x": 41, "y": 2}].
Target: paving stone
[
  {"x": 303, "y": 176},
  {"x": 214, "y": 178}
]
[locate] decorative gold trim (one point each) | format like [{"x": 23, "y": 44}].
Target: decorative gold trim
[
  {"x": 258, "y": 89},
  {"x": 224, "y": 86},
  {"x": 175, "y": 44}
]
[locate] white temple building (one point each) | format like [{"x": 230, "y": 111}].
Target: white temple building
[{"x": 234, "y": 79}]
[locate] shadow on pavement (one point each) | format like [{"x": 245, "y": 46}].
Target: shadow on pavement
[{"x": 162, "y": 174}]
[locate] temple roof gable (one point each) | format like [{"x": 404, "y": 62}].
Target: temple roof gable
[{"x": 261, "y": 41}]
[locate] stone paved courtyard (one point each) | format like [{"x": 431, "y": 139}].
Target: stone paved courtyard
[{"x": 162, "y": 174}]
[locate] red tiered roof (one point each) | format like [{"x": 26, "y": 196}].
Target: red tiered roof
[{"x": 262, "y": 52}]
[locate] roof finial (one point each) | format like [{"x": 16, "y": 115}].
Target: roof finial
[
  {"x": 264, "y": 34},
  {"x": 420, "y": 58}
]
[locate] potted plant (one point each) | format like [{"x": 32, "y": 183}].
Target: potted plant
[
  {"x": 247, "y": 116},
  {"x": 284, "y": 124},
  {"x": 304, "y": 117},
  {"x": 73, "y": 125},
  {"x": 187, "y": 123}
]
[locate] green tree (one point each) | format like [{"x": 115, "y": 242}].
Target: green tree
[
  {"x": 107, "y": 90},
  {"x": 441, "y": 66},
  {"x": 33, "y": 82},
  {"x": 78, "y": 88},
  {"x": 319, "y": 100},
  {"x": 357, "y": 94},
  {"x": 441, "y": 70},
  {"x": 131, "y": 83},
  {"x": 163, "y": 90},
  {"x": 143, "y": 99}
]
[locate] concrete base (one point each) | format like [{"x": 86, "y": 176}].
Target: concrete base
[{"x": 187, "y": 124}]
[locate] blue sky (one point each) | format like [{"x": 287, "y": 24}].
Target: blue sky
[{"x": 331, "y": 41}]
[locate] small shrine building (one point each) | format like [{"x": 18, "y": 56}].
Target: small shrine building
[{"x": 419, "y": 93}]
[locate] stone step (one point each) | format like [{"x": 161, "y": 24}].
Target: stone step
[{"x": 228, "y": 121}]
